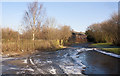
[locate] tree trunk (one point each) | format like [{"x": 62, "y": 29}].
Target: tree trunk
[{"x": 33, "y": 37}]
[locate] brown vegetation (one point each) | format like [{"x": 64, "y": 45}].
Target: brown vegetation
[
  {"x": 38, "y": 33},
  {"x": 107, "y": 31}
]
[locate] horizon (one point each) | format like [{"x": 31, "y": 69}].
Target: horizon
[{"x": 78, "y": 15}]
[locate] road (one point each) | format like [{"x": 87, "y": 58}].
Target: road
[{"x": 74, "y": 60}]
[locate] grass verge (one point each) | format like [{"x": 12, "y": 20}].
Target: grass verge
[
  {"x": 112, "y": 50},
  {"x": 108, "y": 47}
]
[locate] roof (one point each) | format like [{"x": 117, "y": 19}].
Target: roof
[{"x": 77, "y": 33}]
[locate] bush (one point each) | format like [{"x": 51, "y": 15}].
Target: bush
[
  {"x": 107, "y": 31},
  {"x": 29, "y": 45}
]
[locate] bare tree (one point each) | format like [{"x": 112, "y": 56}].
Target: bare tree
[
  {"x": 49, "y": 29},
  {"x": 9, "y": 34},
  {"x": 34, "y": 17},
  {"x": 65, "y": 33},
  {"x": 107, "y": 31}
]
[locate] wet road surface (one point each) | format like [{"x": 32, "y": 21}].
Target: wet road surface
[{"x": 74, "y": 60}]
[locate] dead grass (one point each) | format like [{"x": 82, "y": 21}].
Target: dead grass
[{"x": 17, "y": 47}]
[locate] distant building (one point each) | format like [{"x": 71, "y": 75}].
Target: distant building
[{"x": 78, "y": 37}]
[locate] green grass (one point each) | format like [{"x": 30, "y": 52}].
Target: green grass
[
  {"x": 104, "y": 45},
  {"x": 112, "y": 50},
  {"x": 109, "y": 47}
]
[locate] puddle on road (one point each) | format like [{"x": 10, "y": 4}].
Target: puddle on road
[{"x": 98, "y": 63}]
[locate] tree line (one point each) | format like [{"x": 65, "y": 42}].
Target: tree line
[
  {"x": 106, "y": 31},
  {"x": 37, "y": 25}
]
